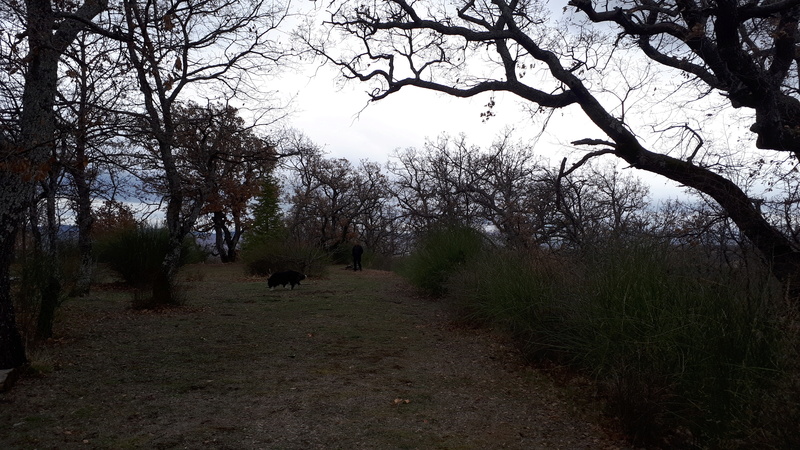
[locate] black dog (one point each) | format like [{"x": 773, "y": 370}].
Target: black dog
[{"x": 286, "y": 277}]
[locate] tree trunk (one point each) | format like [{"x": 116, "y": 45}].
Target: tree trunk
[
  {"x": 180, "y": 220},
  {"x": 219, "y": 236},
  {"x": 232, "y": 241},
  {"x": 225, "y": 242},
  {"x": 164, "y": 292},
  {"x": 26, "y": 162},
  {"x": 23, "y": 162},
  {"x": 50, "y": 290},
  {"x": 83, "y": 201},
  {"x": 82, "y": 182},
  {"x": 84, "y": 221},
  {"x": 163, "y": 285},
  {"x": 12, "y": 350}
]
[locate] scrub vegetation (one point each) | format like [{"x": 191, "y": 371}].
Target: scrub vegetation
[{"x": 682, "y": 353}]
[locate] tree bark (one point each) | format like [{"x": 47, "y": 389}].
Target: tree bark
[
  {"x": 84, "y": 221},
  {"x": 27, "y": 161},
  {"x": 162, "y": 287},
  {"x": 47, "y": 251},
  {"x": 225, "y": 242},
  {"x": 12, "y": 350},
  {"x": 776, "y": 248},
  {"x": 82, "y": 182}
]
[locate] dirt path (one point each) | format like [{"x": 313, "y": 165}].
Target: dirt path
[{"x": 350, "y": 361}]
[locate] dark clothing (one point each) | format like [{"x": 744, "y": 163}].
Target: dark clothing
[{"x": 357, "y": 252}]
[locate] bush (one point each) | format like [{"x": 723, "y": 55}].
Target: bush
[
  {"x": 439, "y": 254},
  {"x": 525, "y": 293},
  {"x": 267, "y": 256},
  {"x": 40, "y": 287},
  {"x": 136, "y": 254},
  {"x": 671, "y": 350}
]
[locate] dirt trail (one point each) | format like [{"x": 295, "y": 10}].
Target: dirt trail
[{"x": 353, "y": 360}]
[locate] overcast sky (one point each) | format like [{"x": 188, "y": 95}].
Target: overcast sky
[{"x": 334, "y": 117}]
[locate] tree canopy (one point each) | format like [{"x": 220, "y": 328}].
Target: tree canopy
[{"x": 741, "y": 51}]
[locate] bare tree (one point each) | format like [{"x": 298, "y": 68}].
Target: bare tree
[
  {"x": 514, "y": 193},
  {"x": 91, "y": 88},
  {"x": 24, "y": 156},
  {"x": 376, "y": 221},
  {"x": 746, "y": 51},
  {"x": 413, "y": 188},
  {"x": 332, "y": 203},
  {"x": 598, "y": 202},
  {"x": 433, "y": 185},
  {"x": 506, "y": 189},
  {"x": 322, "y": 200},
  {"x": 179, "y": 48}
]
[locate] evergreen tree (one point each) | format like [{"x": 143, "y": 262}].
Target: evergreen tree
[{"x": 267, "y": 217}]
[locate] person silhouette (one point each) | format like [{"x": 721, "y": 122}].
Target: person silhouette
[{"x": 358, "y": 250}]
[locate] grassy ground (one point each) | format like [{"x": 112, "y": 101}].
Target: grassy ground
[{"x": 352, "y": 360}]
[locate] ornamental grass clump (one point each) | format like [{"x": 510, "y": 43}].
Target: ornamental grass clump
[
  {"x": 682, "y": 353},
  {"x": 439, "y": 254},
  {"x": 675, "y": 350}
]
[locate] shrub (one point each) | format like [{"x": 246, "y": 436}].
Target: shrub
[
  {"x": 671, "y": 350},
  {"x": 525, "y": 293},
  {"x": 438, "y": 254},
  {"x": 40, "y": 287},
  {"x": 136, "y": 254},
  {"x": 267, "y": 256}
]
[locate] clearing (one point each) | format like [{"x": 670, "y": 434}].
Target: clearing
[{"x": 352, "y": 360}]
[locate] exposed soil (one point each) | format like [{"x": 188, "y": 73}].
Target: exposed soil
[{"x": 352, "y": 360}]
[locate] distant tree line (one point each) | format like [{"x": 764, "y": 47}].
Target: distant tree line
[{"x": 507, "y": 192}]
